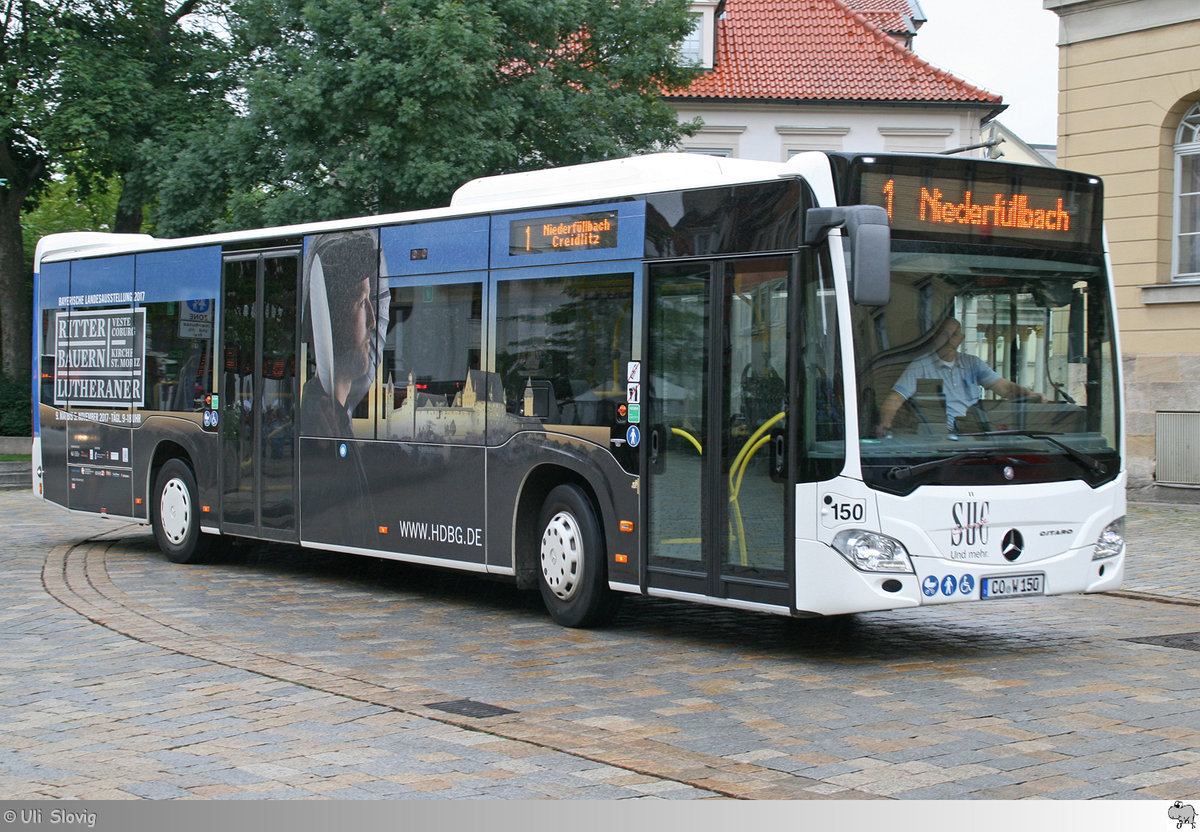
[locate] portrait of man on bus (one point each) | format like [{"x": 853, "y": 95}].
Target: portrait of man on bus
[{"x": 344, "y": 324}]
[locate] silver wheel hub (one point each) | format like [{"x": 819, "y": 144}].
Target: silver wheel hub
[
  {"x": 175, "y": 510},
  {"x": 562, "y": 555}
]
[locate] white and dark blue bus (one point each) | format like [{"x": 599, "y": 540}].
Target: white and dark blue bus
[{"x": 837, "y": 384}]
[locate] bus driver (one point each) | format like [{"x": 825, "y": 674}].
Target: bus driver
[{"x": 959, "y": 374}]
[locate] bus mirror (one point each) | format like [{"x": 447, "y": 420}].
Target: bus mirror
[{"x": 869, "y": 239}]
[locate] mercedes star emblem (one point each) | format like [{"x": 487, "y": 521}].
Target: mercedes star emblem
[{"x": 1012, "y": 545}]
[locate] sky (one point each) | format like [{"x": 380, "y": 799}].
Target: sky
[{"x": 1005, "y": 46}]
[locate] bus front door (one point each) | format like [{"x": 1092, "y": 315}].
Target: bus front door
[
  {"x": 717, "y": 419},
  {"x": 715, "y": 455},
  {"x": 258, "y": 396}
]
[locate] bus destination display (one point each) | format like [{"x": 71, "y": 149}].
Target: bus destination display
[
  {"x": 942, "y": 205},
  {"x": 570, "y": 232}
]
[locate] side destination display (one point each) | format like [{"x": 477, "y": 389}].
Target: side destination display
[{"x": 569, "y": 232}]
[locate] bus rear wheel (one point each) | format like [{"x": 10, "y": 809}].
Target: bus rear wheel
[
  {"x": 573, "y": 582},
  {"x": 175, "y": 514}
]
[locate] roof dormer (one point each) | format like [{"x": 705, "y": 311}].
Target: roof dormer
[{"x": 701, "y": 45}]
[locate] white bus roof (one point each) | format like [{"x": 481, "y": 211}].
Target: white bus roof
[{"x": 651, "y": 173}]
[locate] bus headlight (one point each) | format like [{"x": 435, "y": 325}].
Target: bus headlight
[
  {"x": 1111, "y": 541},
  {"x": 872, "y": 552}
]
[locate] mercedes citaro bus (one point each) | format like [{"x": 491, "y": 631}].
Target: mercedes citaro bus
[{"x": 836, "y": 384}]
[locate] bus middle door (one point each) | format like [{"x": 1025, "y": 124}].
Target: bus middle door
[{"x": 258, "y": 395}]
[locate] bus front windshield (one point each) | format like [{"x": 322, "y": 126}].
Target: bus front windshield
[{"x": 987, "y": 366}]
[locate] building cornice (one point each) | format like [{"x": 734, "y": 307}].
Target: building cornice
[{"x": 1083, "y": 20}]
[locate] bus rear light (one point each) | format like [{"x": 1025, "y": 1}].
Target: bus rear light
[{"x": 872, "y": 552}]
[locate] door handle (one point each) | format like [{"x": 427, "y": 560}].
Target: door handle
[
  {"x": 778, "y": 456},
  {"x": 654, "y": 448}
]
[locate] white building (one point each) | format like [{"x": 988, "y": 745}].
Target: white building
[{"x": 786, "y": 76}]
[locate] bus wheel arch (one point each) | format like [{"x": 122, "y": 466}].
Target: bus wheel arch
[
  {"x": 561, "y": 548},
  {"x": 175, "y": 511}
]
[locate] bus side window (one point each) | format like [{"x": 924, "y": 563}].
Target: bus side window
[
  {"x": 178, "y": 362},
  {"x": 433, "y": 390},
  {"x": 562, "y": 346}
]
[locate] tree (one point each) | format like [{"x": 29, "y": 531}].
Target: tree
[
  {"x": 85, "y": 88},
  {"x": 64, "y": 206},
  {"x": 142, "y": 72},
  {"x": 356, "y": 106},
  {"x": 29, "y": 46}
]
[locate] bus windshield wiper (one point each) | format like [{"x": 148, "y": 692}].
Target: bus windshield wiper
[
  {"x": 1087, "y": 460},
  {"x": 901, "y": 471}
]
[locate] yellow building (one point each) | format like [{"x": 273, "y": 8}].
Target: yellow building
[{"x": 1129, "y": 111}]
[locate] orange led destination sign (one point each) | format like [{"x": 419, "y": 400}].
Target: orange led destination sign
[
  {"x": 943, "y": 205},
  {"x": 572, "y": 232},
  {"x": 1004, "y": 211}
]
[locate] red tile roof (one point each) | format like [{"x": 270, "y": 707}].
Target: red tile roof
[
  {"x": 896, "y": 17},
  {"x": 819, "y": 50}
]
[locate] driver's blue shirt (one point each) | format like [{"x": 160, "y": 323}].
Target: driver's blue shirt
[{"x": 960, "y": 380}]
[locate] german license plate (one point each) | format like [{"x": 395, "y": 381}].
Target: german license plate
[{"x": 1012, "y": 586}]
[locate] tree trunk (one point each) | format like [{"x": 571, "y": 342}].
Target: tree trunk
[
  {"x": 16, "y": 312},
  {"x": 129, "y": 210}
]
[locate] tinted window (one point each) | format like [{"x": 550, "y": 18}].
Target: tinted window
[
  {"x": 562, "y": 346},
  {"x": 433, "y": 390}
]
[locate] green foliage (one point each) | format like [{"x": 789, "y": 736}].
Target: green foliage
[
  {"x": 354, "y": 106},
  {"x": 30, "y": 46},
  {"x": 16, "y": 399},
  {"x": 85, "y": 88},
  {"x": 140, "y": 74},
  {"x": 66, "y": 206}
]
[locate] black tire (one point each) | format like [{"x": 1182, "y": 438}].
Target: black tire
[
  {"x": 175, "y": 514},
  {"x": 571, "y": 560}
]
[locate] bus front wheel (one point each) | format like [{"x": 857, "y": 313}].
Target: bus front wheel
[
  {"x": 175, "y": 513},
  {"x": 571, "y": 560}
]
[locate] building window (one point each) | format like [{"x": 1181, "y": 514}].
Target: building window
[
  {"x": 692, "y": 48},
  {"x": 795, "y": 140},
  {"x": 915, "y": 139},
  {"x": 1187, "y": 197},
  {"x": 714, "y": 140}
]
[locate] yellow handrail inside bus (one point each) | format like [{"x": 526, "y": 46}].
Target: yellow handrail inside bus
[
  {"x": 690, "y": 438},
  {"x": 738, "y": 470}
]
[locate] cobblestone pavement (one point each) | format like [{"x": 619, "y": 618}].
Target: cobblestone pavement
[{"x": 280, "y": 672}]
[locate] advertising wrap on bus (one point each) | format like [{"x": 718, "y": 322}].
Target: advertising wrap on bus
[
  {"x": 99, "y": 358},
  {"x": 843, "y": 383}
]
